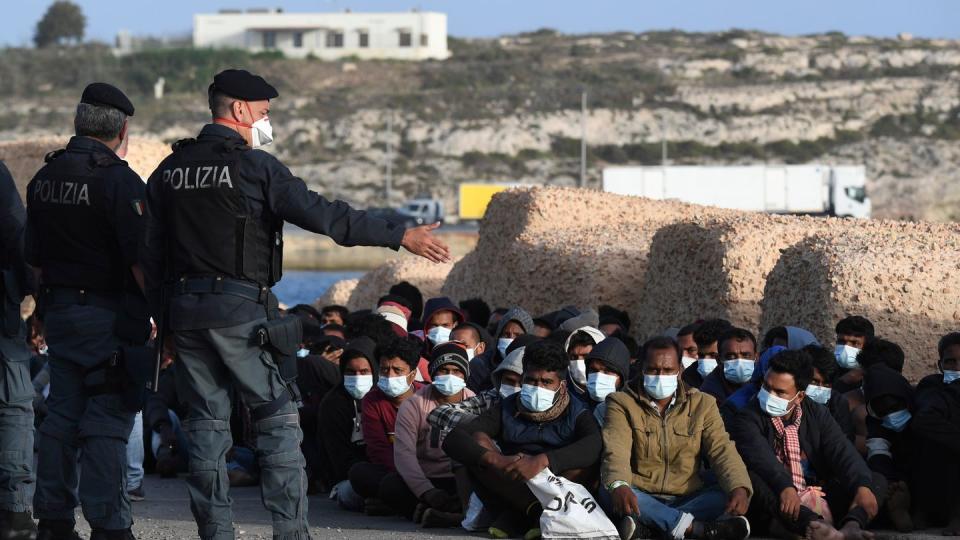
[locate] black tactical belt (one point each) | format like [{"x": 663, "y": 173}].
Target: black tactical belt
[
  {"x": 221, "y": 285},
  {"x": 58, "y": 296}
]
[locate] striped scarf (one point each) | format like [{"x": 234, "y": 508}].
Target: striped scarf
[{"x": 787, "y": 448}]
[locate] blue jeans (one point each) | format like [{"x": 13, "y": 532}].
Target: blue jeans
[
  {"x": 664, "y": 515},
  {"x": 135, "y": 454}
]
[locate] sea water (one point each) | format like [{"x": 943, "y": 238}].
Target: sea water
[{"x": 305, "y": 286}]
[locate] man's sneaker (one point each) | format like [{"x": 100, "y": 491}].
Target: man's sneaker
[
  {"x": 627, "y": 527},
  {"x": 507, "y": 525},
  {"x": 532, "y": 534},
  {"x": 419, "y": 511},
  {"x": 376, "y": 507},
  {"x": 735, "y": 528},
  {"x": 56, "y": 529},
  {"x": 137, "y": 494},
  {"x": 435, "y": 519}
]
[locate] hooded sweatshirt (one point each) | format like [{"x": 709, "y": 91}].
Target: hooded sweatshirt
[
  {"x": 615, "y": 357},
  {"x": 798, "y": 338},
  {"x": 577, "y": 391},
  {"x": 339, "y": 430},
  {"x": 888, "y": 452}
]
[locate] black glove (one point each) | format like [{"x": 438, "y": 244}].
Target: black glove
[{"x": 441, "y": 500}]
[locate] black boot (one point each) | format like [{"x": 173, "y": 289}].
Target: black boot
[
  {"x": 17, "y": 526},
  {"x": 112, "y": 534},
  {"x": 57, "y": 529}
]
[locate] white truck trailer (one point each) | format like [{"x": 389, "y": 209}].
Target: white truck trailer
[{"x": 780, "y": 189}]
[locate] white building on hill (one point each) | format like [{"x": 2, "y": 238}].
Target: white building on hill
[{"x": 414, "y": 35}]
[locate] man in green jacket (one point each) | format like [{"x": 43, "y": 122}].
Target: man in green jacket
[{"x": 656, "y": 435}]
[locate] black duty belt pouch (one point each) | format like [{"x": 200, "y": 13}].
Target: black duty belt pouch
[
  {"x": 281, "y": 337},
  {"x": 10, "y": 309},
  {"x": 133, "y": 320},
  {"x": 133, "y": 373}
]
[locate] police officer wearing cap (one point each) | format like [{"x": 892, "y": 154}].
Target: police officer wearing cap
[
  {"x": 16, "y": 390},
  {"x": 84, "y": 225},
  {"x": 213, "y": 249}
]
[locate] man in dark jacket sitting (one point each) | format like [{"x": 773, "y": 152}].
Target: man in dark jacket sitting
[
  {"x": 802, "y": 466},
  {"x": 540, "y": 427}
]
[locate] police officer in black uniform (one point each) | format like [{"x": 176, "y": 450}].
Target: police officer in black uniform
[
  {"x": 84, "y": 226},
  {"x": 16, "y": 390},
  {"x": 216, "y": 209}
]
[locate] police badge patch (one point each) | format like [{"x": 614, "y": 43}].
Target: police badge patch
[{"x": 137, "y": 206}]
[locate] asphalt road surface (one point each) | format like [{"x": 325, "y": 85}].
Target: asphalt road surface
[{"x": 165, "y": 515}]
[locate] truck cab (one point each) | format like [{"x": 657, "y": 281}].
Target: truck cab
[
  {"x": 422, "y": 210},
  {"x": 849, "y": 191}
]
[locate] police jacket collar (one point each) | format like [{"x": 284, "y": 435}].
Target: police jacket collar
[
  {"x": 83, "y": 144},
  {"x": 217, "y": 130}
]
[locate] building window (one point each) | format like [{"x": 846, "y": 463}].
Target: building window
[
  {"x": 406, "y": 38},
  {"x": 424, "y": 40},
  {"x": 363, "y": 38},
  {"x": 269, "y": 40},
  {"x": 334, "y": 39},
  {"x": 298, "y": 40}
]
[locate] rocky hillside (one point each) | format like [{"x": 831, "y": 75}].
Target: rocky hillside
[{"x": 509, "y": 109}]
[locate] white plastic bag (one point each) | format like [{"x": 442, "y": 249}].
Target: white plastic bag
[
  {"x": 569, "y": 511},
  {"x": 476, "y": 518}
]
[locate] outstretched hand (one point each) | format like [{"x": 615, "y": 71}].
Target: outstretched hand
[{"x": 421, "y": 241}]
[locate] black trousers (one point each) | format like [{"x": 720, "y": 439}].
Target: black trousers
[
  {"x": 935, "y": 483},
  {"x": 765, "y": 506},
  {"x": 372, "y": 480}
]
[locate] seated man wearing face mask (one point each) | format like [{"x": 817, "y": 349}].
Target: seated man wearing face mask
[
  {"x": 737, "y": 350},
  {"x": 338, "y": 431},
  {"x": 378, "y": 412},
  {"x": 892, "y": 447},
  {"x": 820, "y": 389},
  {"x": 424, "y": 470},
  {"x": 607, "y": 367},
  {"x": 807, "y": 476},
  {"x": 705, "y": 337},
  {"x": 657, "y": 434},
  {"x": 440, "y": 317},
  {"x": 936, "y": 473},
  {"x": 946, "y": 371},
  {"x": 541, "y": 426},
  {"x": 506, "y": 382},
  {"x": 578, "y": 346},
  {"x": 513, "y": 324},
  {"x": 853, "y": 333}
]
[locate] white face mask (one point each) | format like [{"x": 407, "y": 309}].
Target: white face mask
[
  {"x": 357, "y": 385},
  {"x": 394, "y": 386},
  {"x": 705, "y": 366},
  {"x": 449, "y": 385},
  {"x": 506, "y": 390},
  {"x": 600, "y": 385},
  {"x": 847, "y": 356},
  {"x": 949, "y": 376},
  {"x": 820, "y": 394},
  {"x": 303, "y": 353},
  {"x": 660, "y": 386},
  {"x": 261, "y": 133},
  {"x": 537, "y": 398},
  {"x": 502, "y": 345},
  {"x": 687, "y": 361},
  {"x": 578, "y": 371},
  {"x": 471, "y": 354},
  {"x": 438, "y": 335}
]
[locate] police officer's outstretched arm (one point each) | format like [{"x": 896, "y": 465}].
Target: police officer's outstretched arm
[{"x": 289, "y": 198}]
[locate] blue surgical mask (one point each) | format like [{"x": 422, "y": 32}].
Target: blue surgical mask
[
  {"x": 537, "y": 398},
  {"x": 705, "y": 366},
  {"x": 449, "y": 385},
  {"x": 820, "y": 394},
  {"x": 773, "y": 405},
  {"x": 506, "y": 390},
  {"x": 949, "y": 376},
  {"x": 303, "y": 353},
  {"x": 502, "y": 345},
  {"x": 600, "y": 385},
  {"x": 660, "y": 386},
  {"x": 357, "y": 385},
  {"x": 438, "y": 335},
  {"x": 738, "y": 371},
  {"x": 578, "y": 371},
  {"x": 897, "y": 420},
  {"x": 394, "y": 386},
  {"x": 846, "y": 356}
]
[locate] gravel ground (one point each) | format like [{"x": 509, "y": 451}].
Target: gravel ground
[{"x": 165, "y": 515}]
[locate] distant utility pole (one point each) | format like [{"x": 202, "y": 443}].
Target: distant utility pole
[
  {"x": 663, "y": 142},
  {"x": 583, "y": 138},
  {"x": 388, "y": 181}
]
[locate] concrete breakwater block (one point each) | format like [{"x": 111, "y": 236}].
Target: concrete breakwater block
[
  {"x": 544, "y": 248},
  {"x": 425, "y": 275},
  {"x": 338, "y": 294},
  {"x": 904, "y": 277}
]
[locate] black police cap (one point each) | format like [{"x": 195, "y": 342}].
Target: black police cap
[
  {"x": 107, "y": 95},
  {"x": 241, "y": 84}
]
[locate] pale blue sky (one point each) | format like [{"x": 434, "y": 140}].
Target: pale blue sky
[{"x": 470, "y": 18}]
